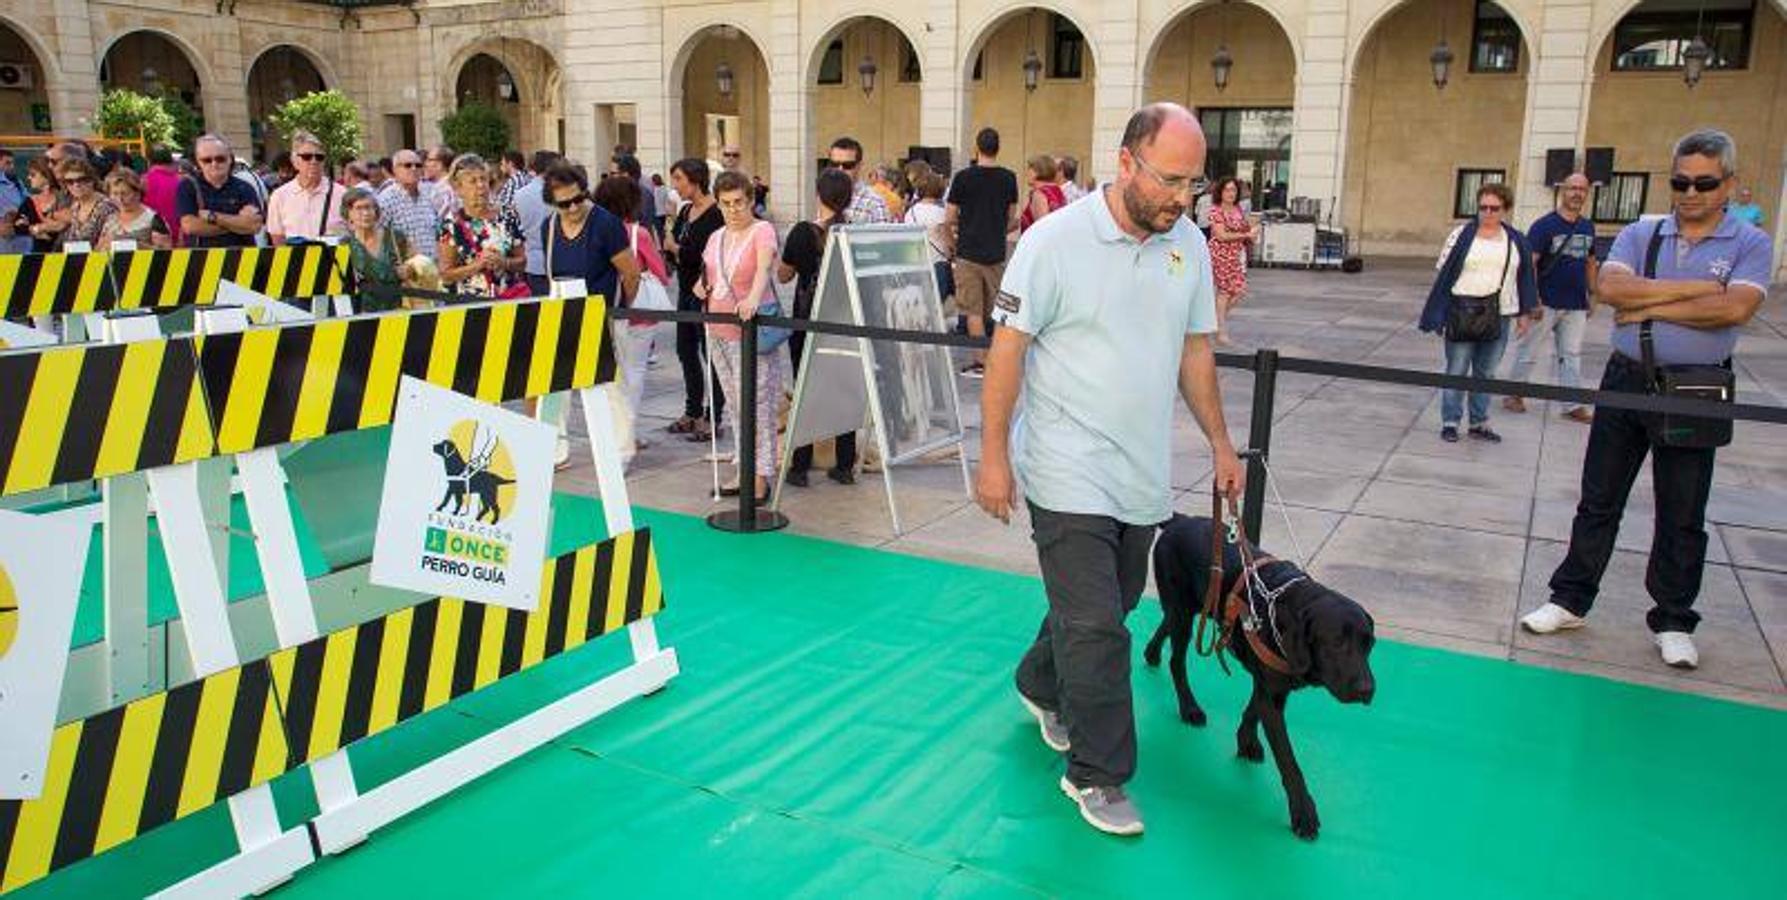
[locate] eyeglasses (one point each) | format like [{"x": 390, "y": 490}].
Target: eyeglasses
[
  {"x": 740, "y": 203},
  {"x": 569, "y": 202},
  {"x": 77, "y": 179},
  {"x": 412, "y": 165},
  {"x": 846, "y": 166},
  {"x": 730, "y": 154},
  {"x": 308, "y": 157},
  {"x": 1488, "y": 208},
  {"x": 1197, "y": 184},
  {"x": 213, "y": 160},
  {"x": 1705, "y": 184}
]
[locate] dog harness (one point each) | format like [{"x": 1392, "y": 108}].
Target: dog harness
[{"x": 1242, "y": 605}]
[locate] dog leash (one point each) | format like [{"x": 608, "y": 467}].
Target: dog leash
[{"x": 1240, "y": 607}]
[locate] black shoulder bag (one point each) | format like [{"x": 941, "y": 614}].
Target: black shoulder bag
[
  {"x": 1717, "y": 384},
  {"x": 1472, "y": 320}
]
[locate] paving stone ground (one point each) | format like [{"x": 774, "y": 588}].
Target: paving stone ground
[{"x": 1446, "y": 544}]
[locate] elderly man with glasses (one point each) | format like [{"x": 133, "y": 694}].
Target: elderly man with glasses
[
  {"x": 308, "y": 206},
  {"x": 409, "y": 205},
  {"x": 1687, "y": 282},
  {"x": 217, "y": 209}
]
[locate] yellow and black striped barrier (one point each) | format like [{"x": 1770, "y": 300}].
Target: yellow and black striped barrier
[
  {"x": 362, "y": 680},
  {"x": 117, "y": 774},
  {"x": 276, "y": 384},
  {"x": 80, "y": 412},
  {"x": 37, "y": 284}
]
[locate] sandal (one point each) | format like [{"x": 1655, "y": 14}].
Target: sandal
[
  {"x": 700, "y": 434},
  {"x": 682, "y": 425}
]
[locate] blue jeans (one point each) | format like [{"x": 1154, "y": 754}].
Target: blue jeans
[{"x": 1477, "y": 359}]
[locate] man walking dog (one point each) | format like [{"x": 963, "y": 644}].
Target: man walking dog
[{"x": 1108, "y": 307}]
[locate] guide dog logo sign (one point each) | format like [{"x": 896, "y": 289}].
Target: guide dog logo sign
[
  {"x": 466, "y": 498},
  {"x": 40, "y": 580}
]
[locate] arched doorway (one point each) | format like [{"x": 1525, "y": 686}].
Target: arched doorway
[
  {"x": 864, "y": 81},
  {"x": 725, "y": 99},
  {"x": 1030, "y": 75},
  {"x": 24, "y": 87},
  {"x": 1640, "y": 104},
  {"x": 280, "y": 74},
  {"x": 1418, "y": 152},
  {"x": 149, "y": 62},
  {"x": 1247, "y": 118},
  {"x": 521, "y": 80}
]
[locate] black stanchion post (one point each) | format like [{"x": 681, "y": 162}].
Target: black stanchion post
[
  {"x": 1259, "y": 439},
  {"x": 748, "y": 517}
]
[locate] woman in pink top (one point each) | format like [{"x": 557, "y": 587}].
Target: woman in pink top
[
  {"x": 619, "y": 194},
  {"x": 735, "y": 278},
  {"x": 1045, "y": 194}
]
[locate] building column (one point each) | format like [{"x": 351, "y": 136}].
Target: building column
[
  {"x": 940, "y": 106},
  {"x": 1558, "y": 80},
  {"x": 74, "y": 93},
  {"x": 226, "y": 101},
  {"x": 431, "y": 107},
  {"x": 1117, "y": 90},
  {"x": 1319, "y": 108},
  {"x": 788, "y": 101}
]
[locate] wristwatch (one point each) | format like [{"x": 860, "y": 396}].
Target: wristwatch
[{"x": 211, "y": 217}]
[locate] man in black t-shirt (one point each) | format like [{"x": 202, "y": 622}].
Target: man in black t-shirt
[
  {"x": 983, "y": 205},
  {"x": 217, "y": 209},
  {"x": 695, "y": 223}
]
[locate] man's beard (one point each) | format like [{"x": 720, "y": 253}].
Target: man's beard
[{"x": 1146, "y": 215}]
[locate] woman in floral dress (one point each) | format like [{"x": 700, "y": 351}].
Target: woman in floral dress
[{"x": 1230, "y": 236}]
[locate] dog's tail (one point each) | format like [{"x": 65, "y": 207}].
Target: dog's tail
[{"x": 500, "y": 480}]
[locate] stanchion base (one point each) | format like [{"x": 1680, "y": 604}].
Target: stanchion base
[{"x": 730, "y": 520}]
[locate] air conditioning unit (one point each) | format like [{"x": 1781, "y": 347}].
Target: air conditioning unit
[{"x": 14, "y": 76}]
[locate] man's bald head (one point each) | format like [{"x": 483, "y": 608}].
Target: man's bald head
[
  {"x": 1161, "y": 120},
  {"x": 1160, "y": 167},
  {"x": 1573, "y": 194}
]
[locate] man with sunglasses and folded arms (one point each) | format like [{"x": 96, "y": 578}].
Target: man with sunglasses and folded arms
[
  {"x": 308, "y": 206},
  {"x": 217, "y": 209},
  {"x": 1711, "y": 274}
]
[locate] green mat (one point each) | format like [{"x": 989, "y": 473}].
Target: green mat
[{"x": 845, "y": 726}]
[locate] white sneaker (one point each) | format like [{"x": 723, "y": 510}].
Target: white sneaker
[
  {"x": 561, "y": 455},
  {"x": 1678, "y": 649},
  {"x": 1549, "y": 618}
]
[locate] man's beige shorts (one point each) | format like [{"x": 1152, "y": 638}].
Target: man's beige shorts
[{"x": 976, "y": 286}]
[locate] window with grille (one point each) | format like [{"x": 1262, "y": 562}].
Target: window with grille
[
  {"x": 1464, "y": 197},
  {"x": 1622, "y": 199}
]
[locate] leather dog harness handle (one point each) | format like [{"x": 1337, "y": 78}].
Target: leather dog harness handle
[{"x": 1227, "y": 614}]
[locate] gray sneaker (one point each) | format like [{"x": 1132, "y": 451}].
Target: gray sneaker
[
  {"x": 1107, "y": 809},
  {"x": 1054, "y": 731}
]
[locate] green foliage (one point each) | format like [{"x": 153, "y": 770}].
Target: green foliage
[
  {"x": 476, "y": 128},
  {"x": 187, "y": 123},
  {"x": 329, "y": 115},
  {"x": 126, "y": 115}
]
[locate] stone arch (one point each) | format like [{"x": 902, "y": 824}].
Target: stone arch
[
  {"x": 537, "y": 76},
  {"x": 208, "y": 85},
  {"x": 265, "y": 139},
  {"x": 887, "y": 122},
  {"x": 1196, "y": 7},
  {"x": 47, "y": 68},
  {"x": 1058, "y": 117},
  {"x": 687, "y": 134}
]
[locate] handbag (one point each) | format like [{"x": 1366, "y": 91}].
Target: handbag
[
  {"x": 1717, "y": 384},
  {"x": 770, "y": 338},
  {"x": 652, "y": 295},
  {"x": 1471, "y": 320}
]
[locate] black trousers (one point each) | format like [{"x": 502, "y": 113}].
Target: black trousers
[
  {"x": 690, "y": 339},
  {"x": 1093, "y": 569},
  {"x": 846, "y": 443},
  {"x": 1682, "y": 480}
]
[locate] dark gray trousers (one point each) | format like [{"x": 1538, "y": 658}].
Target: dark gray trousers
[{"x": 1093, "y": 569}]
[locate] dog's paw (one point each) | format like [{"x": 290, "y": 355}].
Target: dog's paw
[
  {"x": 1304, "y": 821},
  {"x": 1193, "y": 715},
  {"x": 1249, "y": 748}
]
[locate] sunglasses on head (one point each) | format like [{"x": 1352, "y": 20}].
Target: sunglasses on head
[
  {"x": 308, "y": 157},
  {"x": 569, "y": 202},
  {"x": 1705, "y": 184}
]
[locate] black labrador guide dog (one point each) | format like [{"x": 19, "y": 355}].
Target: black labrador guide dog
[{"x": 1290, "y": 632}]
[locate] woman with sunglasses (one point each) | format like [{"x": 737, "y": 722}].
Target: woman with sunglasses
[
  {"x": 736, "y": 273},
  {"x": 480, "y": 247},
  {"x": 44, "y": 204},
  {"x": 585, "y": 241},
  {"x": 88, "y": 211},
  {"x": 1486, "y": 266}
]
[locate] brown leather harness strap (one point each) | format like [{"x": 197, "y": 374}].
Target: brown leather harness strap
[{"x": 1227, "y": 615}]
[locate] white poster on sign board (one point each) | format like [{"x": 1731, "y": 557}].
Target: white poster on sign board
[
  {"x": 40, "y": 581},
  {"x": 467, "y": 496}
]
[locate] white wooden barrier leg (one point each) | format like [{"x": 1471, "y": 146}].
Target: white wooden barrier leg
[
  {"x": 125, "y": 549},
  {"x": 267, "y": 856},
  {"x": 617, "y": 508},
  {"x": 288, "y": 594}
]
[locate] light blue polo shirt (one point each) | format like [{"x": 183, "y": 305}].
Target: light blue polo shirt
[
  {"x": 1108, "y": 318},
  {"x": 1735, "y": 253}
]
